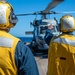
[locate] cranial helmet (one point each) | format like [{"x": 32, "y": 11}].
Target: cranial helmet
[
  {"x": 7, "y": 16},
  {"x": 67, "y": 23}
]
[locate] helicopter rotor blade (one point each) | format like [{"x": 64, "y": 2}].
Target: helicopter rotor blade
[
  {"x": 24, "y": 14},
  {"x": 51, "y": 12},
  {"x": 69, "y": 12},
  {"x": 47, "y": 10},
  {"x": 52, "y": 5},
  {"x": 35, "y": 13}
]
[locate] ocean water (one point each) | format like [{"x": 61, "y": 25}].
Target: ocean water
[{"x": 25, "y": 39}]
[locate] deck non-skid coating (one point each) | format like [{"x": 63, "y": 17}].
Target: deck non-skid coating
[{"x": 42, "y": 63}]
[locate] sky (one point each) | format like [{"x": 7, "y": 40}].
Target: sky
[{"x": 31, "y": 6}]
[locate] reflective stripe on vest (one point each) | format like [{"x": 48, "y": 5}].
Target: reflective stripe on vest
[
  {"x": 65, "y": 41},
  {"x": 6, "y": 42}
]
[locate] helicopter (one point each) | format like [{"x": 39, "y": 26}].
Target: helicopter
[{"x": 41, "y": 25}]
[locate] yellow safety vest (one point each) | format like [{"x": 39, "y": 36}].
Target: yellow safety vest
[
  {"x": 7, "y": 54},
  {"x": 61, "y": 56}
]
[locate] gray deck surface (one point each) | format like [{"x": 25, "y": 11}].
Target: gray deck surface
[{"x": 42, "y": 63}]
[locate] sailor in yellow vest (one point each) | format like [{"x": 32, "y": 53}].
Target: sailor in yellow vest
[
  {"x": 61, "y": 56},
  {"x": 15, "y": 57}
]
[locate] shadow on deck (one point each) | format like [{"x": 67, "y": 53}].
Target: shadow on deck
[{"x": 42, "y": 62}]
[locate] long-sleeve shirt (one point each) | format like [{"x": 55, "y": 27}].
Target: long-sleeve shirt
[
  {"x": 48, "y": 36},
  {"x": 25, "y": 60}
]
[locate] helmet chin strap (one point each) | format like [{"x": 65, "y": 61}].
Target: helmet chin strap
[{"x": 6, "y": 30}]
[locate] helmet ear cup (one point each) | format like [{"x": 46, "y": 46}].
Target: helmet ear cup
[{"x": 13, "y": 18}]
